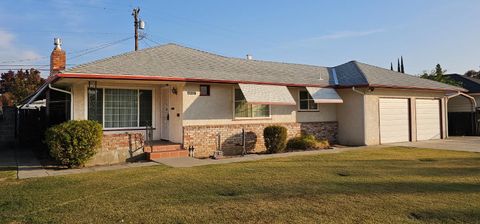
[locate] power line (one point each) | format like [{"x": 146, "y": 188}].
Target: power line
[
  {"x": 75, "y": 54},
  {"x": 100, "y": 48}
]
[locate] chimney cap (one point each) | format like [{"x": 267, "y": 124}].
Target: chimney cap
[{"x": 57, "y": 42}]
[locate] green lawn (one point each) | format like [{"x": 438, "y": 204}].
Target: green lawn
[{"x": 394, "y": 185}]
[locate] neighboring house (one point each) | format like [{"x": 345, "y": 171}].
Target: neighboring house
[
  {"x": 463, "y": 111},
  {"x": 195, "y": 98}
]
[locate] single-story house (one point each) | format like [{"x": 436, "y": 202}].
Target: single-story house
[
  {"x": 464, "y": 111},
  {"x": 193, "y": 98}
]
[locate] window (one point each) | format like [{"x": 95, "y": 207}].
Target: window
[
  {"x": 120, "y": 108},
  {"x": 306, "y": 102},
  {"x": 204, "y": 90},
  {"x": 246, "y": 110}
]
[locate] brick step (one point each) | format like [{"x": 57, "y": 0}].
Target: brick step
[
  {"x": 167, "y": 154},
  {"x": 163, "y": 148}
]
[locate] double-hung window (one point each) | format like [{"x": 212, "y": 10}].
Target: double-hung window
[
  {"x": 306, "y": 102},
  {"x": 120, "y": 108},
  {"x": 246, "y": 110}
]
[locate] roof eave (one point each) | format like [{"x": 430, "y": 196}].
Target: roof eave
[
  {"x": 178, "y": 79},
  {"x": 401, "y": 87}
]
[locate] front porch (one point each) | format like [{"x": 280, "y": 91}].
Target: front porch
[{"x": 159, "y": 149}]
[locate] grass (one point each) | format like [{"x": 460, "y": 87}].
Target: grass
[
  {"x": 7, "y": 174},
  {"x": 394, "y": 185}
]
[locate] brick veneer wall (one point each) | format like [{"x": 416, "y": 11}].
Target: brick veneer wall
[
  {"x": 118, "y": 148},
  {"x": 205, "y": 138}
]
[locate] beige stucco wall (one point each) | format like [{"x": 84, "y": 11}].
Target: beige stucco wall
[
  {"x": 218, "y": 108},
  {"x": 351, "y": 119},
  {"x": 79, "y": 99},
  {"x": 372, "y": 119}
]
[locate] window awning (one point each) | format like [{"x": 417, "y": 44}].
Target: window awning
[
  {"x": 267, "y": 94},
  {"x": 324, "y": 95}
]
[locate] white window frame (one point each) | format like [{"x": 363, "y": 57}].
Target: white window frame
[
  {"x": 103, "y": 87},
  {"x": 308, "y": 103},
  {"x": 248, "y": 118}
]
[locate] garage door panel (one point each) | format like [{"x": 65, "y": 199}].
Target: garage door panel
[
  {"x": 428, "y": 119},
  {"x": 394, "y": 120}
]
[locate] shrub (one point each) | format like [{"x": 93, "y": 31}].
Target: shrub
[
  {"x": 305, "y": 142},
  {"x": 73, "y": 143},
  {"x": 275, "y": 138}
]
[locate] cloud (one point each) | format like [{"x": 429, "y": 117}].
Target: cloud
[
  {"x": 11, "y": 52},
  {"x": 346, "y": 34},
  {"x": 6, "y": 39}
]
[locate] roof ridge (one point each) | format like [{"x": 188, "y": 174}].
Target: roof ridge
[
  {"x": 355, "y": 63},
  {"x": 243, "y": 59}
]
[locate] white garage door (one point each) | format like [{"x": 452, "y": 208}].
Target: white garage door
[
  {"x": 428, "y": 119},
  {"x": 394, "y": 120}
]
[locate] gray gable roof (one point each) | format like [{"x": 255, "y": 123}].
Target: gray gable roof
[
  {"x": 175, "y": 61},
  {"x": 469, "y": 83},
  {"x": 172, "y": 60}
]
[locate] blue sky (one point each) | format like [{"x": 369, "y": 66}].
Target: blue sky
[{"x": 327, "y": 33}]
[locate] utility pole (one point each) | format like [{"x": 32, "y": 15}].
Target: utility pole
[{"x": 135, "y": 13}]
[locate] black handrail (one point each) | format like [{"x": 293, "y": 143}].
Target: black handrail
[{"x": 148, "y": 136}]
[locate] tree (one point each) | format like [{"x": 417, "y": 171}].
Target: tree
[
  {"x": 473, "y": 74},
  {"x": 16, "y": 86},
  {"x": 402, "y": 68},
  {"x": 438, "y": 74},
  {"x": 398, "y": 65}
]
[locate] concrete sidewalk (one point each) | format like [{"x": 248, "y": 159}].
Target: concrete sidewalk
[
  {"x": 28, "y": 164},
  {"x": 30, "y": 167},
  {"x": 467, "y": 144},
  {"x": 192, "y": 162}
]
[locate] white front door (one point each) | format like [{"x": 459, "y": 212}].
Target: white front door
[
  {"x": 394, "y": 120},
  {"x": 165, "y": 113},
  {"x": 428, "y": 119}
]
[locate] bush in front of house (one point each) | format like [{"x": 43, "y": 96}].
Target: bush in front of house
[
  {"x": 73, "y": 143},
  {"x": 275, "y": 138},
  {"x": 305, "y": 142}
]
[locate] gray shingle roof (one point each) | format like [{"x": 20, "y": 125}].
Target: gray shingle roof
[
  {"x": 175, "y": 61},
  {"x": 469, "y": 83},
  {"x": 172, "y": 60}
]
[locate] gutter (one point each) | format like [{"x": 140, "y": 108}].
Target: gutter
[
  {"x": 37, "y": 93},
  {"x": 179, "y": 79}
]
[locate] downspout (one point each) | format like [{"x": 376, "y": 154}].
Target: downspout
[
  {"x": 357, "y": 91},
  {"x": 364, "y": 117},
  {"x": 66, "y": 92}
]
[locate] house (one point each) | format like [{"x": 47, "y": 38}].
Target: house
[
  {"x": 464, "y": 112},
  {"x": 210, "y": 102}
]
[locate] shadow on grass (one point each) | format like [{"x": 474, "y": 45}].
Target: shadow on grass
[
  {"x": 444, "y": 216},
  {"x": 8, "y": 168}
]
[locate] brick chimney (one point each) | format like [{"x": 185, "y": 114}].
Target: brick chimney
[{"x": 58, "y": 58}]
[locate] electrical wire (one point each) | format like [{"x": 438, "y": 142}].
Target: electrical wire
[
  {"x": 74, "y": 54},
  {"x": 100, "y": 48}
]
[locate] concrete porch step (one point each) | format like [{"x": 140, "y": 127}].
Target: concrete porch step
[
  {"x": 179, "y": 153},
  {"x": 163, "y": 148}
]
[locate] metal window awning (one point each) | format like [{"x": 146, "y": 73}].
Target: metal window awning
[
  {"x": 267, "y": 94},
  {"x": 324, "y": 95}
]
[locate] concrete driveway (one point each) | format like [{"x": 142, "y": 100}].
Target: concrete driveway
[{"x": 470, "y": 144}]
